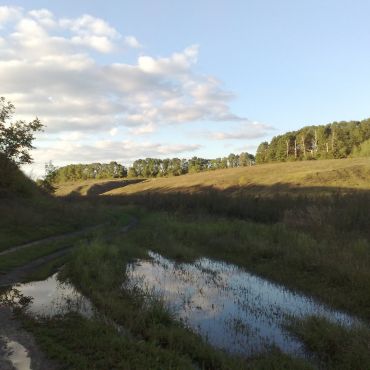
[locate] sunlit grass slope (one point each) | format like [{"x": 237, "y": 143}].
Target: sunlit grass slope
[
  {"x": 305, "y": 176},
  {"x": 91, "y": 186}
]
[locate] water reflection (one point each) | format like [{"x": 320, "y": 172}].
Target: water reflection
[
  {"x": 17, "y": 355},
  {"x": 47, "y": 298},
  {"x": 231, "y": 308}
]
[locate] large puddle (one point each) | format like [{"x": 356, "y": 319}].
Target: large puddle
[
  {"x": 47, "y": 298},
  {"x": 229, "y": 307},
  {"x": 16, "y": 354}
]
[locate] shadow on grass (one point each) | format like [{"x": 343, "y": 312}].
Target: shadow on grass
[
  {"x": 98, "y": 189},
  {"x": 323, "y": 210}
]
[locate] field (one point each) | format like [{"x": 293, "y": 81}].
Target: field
[
  {"x": 299, "y": 229},
  {"x": 300, "y": 177}
]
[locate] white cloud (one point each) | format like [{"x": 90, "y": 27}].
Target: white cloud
[
  {"x": 41, "y": 13},
  {"x": 146, "y": 129},
  {"x": 113, "y": 131},
  {"x": 9, "y": 14},
  {"x": 178, "y": 63},
  {"x": 132, "y": 42},
  {"x": 49, "y": 68},
  {"x": 89, "y": 25},
  {"x": 99, "y": 43},
  {"x": 71, "y": 136},
  {"x": 245, "y": 131},
  {"x": 44, "y": 17},
  {"x": 65, "y": 152}
]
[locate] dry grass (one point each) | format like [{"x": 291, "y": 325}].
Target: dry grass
[
  {"x": 93, "y": 186},
  {"x": 328, "y": 175}
]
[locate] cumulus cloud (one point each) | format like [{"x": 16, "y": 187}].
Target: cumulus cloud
[
  {"x": 146, "y": 129},
  {"x": 88, "y": 25},
  {"x": 245, "y": 131},
  {"x": 54, "y": 75},
  {"x": 8, "y": 14},
  {"x": 132, "y": 42},
  {"x": 49, "y": 68},
  {"x": 44, "y": 17},
  {"x": 65, "y": 151}
]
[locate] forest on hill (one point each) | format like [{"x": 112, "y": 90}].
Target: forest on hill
[
  {"x": 331, "y": 141},
  {"x": 334, "y": 140},
  {"x": 149, "y": 167}
]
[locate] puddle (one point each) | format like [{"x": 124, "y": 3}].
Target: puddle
[
  {"x": 47, "y": 298},
  {"x": 231, "y": 308},
  {"x": 17, "y": 355}
]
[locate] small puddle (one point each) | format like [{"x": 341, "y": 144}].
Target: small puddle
[
  {"x": 16, "y": 354},
  {"x": 231, "y": 308},
  {"x": 47, "y": 298}
]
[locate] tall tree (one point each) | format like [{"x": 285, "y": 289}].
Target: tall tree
[{"x": 16, "y": 137}]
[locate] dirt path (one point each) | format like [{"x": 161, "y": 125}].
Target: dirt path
[
  {"x": 20, "y": 273},
  {"x": 18, "y": 348},
  {"x": 51, "y": 239}
]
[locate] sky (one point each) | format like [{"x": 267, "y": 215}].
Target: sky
[{"x": 121, "y": 80}]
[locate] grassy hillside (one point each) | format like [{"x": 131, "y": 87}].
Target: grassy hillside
[
  {"x": 13, "y": 181},
  {"x": 92, "y": 187},
  {"x": 301, "y": 177},
  {"x": 28, "y": 214}
]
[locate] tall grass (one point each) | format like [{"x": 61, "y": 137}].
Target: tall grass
[
  {"x": 336, "y": 347},
  {"x": 323, "y": 215}
]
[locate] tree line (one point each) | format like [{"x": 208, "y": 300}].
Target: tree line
[
  {"x": 73, "y": 172},
  {"x": 148, "y": 167},
  {"x": 334, "y": 140}
]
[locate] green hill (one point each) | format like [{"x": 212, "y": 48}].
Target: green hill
[
  {"x": 28, "y": 214},
  {"x": 14, "y": 182},
  {"x": 304, "y": 177}
]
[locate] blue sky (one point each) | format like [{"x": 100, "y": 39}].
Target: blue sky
[{"x": 181, "y": 78}]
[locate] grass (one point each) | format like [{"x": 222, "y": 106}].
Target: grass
[
  {"x": 46, "y": 269},
  {"x": 333, "y": 271},
  {"x": 30, "y": 219},
  {"x": 27, "y": 214},
  {"x": 305, "y": 225},
  {"x": 271, "y": 250},
  {"x": 306, "y": 177},
  {"x": 21, "y": 257},
  {"x": 337, "y": 347},
  {"x": 81, "y": 344},
  {"x": 92, "y": 186}
]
